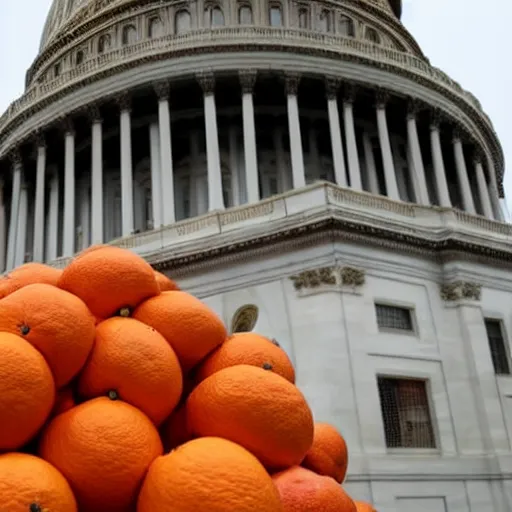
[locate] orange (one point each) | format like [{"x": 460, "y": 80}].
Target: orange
[
  {"x": 29, "y": 273},
  {"x": 255, "y": 408},
  {"x": 175, "y": 431},
  {"x": 166, "y": 284},
  {"x": 208, "y": 474},
  {"x": 302, "y": 490},
  {"x": 64, "y": 401},
  {"x": 362, "y": 506},
  {"x": 191, "y": 327},
  {"x": 135, "y": 362},
  {"x": 55, "y": 322},
  {"x": 30, "y": 484},
  {"x": 27, "y": 391},
  {"x": 109, "y": 280},
  {"x": 103, "y": 448},
  {"x": 248, "y": 348},
  {"x": 329, "y": 455}
]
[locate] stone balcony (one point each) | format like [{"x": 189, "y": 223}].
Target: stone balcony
[{"x": 320, "y": 207}]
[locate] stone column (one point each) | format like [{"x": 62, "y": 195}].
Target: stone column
[
  {"x": 482, "y": 189},
  {"x": 417, "y": 160},
  {"x": 371, "y": 168},
  {"x": 443, "y": 194},
  {"x": 247, "y": 81},
  {"x": 3, "y": 226},
  {"x": 354, "y": 169},
  {"x": 385, "y": 148},
  {"x": 39, "y": 212},
  {"x": 215, "y": 196},
  {"x": 156, "y": 182},
  {"x": 52, "y": 241},
  {"x": 21, "y": 236},
  {"x": 338, "y": 157},
  {"x": 493, "y": 191},
  {"x": 126, "y": 165},
  {"x": 96, "y": 176},
  {"x": 233, "y": 165},
  {"x": 166, "y": 169},
  {"x": 462, "y": 175},
  {"x": 17, "y": 171},
  {"x": 296, "y": 154},
  {"x": 68, "y": 244}
]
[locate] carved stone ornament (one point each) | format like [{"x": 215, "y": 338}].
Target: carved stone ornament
[
  {"x": 247, "y": 80},
  {"x": 124, "y": 102},
  {"x": 39, "y": 139},
  {"x": 66, "y": 124},
  {"x": 349, "y": 92},
  {"x": 328, "y": 276},
  {"x": 414, "y": 107},
  {"x": 332, "y": 86},
  {"x": 15, "y": 157},
  {"x": 94, "y": 113},
  {"x": 436, "y": 118},
  {"x": 461, "y": 290},
  {"x": 381, "y": 98},
  {"x": 245, "y": 318},
  {"x": 162, "y": 89},
  {"x": 206, "y": 80},
  {"x": 291, "y": 83}
]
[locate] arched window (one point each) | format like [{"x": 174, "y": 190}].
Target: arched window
[
  {"x": 245, "y": 318},
  {"x": 245, "y": 15},
  {"x": 79, "y": 57},
  {"x": 372, "y": 35},
  {"x": 155, "y": 27},
  {"x": 275, "y": 15},
  {"x": 325, "y": 21},
  {"x": 182, "y": 21},
  {"x": 56, "y": 70},
  {"x": 129, "y": 34},
  {"x": 213, "y": 16},
  {"x": 346, "y": 27},
  {"x": 303, "y": 17},
  {"x": 104, "y": 43}
]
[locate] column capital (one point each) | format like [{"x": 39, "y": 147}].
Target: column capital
[
  {"x": 458, "y": 135},
  {"x": 478, "y": 158},
  {"x": 381, "y": 98},
  {"x": 291, "y": 83},
  {"x": 124, "y": 101},
  {"x": 247, "y": 79},
  {"x": 332, "y": 86},
  {"x": 436, "y": 118},
  {"x": 15, "y": 157},
  {"x": 39, "y": 139},
  {"x": 162, "y": 89},
  {"x": 66, "y": 125},
  {"x": 93, "y": 112},
  {"x": 206, "y": 80},
  {"x": 414, "y": 107},
  {"x": 349, "y": 92}
]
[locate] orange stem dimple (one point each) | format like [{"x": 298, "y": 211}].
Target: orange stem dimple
[
  {"x": 113, "y": 395},
  {"x": 24, "y": 329},
  {"x": 267, "y": 366}
]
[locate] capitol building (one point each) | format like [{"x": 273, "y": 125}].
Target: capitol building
[{"x": 303, "y": 168}]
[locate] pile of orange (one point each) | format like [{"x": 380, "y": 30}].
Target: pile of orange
[{"x": 119, "y": 392}]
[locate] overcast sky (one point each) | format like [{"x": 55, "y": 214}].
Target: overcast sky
[{"x": 466, "y": 38}]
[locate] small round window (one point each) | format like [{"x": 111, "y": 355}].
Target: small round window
[{"x": 245, "y": 318}]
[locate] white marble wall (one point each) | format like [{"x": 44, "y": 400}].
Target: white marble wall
[{"x": 333, "y": 339}]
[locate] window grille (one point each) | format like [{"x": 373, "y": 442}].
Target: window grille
[
  {"x": 497, "y": 346},
  {"x": 406, "y": 413},
  {"x": 393, "y": 317}
]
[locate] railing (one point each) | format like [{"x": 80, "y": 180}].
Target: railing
[
  {"x": 300, "y": 205},
  {"x": 236, "y": 36}
]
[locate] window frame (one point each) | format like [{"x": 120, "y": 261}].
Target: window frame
[
  {"x": 504, "y": 340},
  {"x": 371, "y": 30},
  {"x": 182, "y": 10},
  {"x": 344, "y": 18},
  {"x": 125, "y": 33},
  {"x": 151, "y": 22},
  {"x": 244, "y": 5},
  {"x": 436, "y": 437},
  {"x": 209, "y": 10},
  {"x": 398, "y": 305},
  {"x": 104, "y": 43},
  {"x": 325, "y": 14},
  {"x": 275, "y": 5},
  {"x": 304, "y": 9}
]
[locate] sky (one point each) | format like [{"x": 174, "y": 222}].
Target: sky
[{"x": 468, "y": 39}]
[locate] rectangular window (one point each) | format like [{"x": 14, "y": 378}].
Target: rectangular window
[
  {"x": 497, "y": 346},
  {"x": 406, "y": 413},
  {"x": 394, "y": 318}
]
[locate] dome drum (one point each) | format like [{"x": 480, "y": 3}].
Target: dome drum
[{"x": 220, "y": 141}]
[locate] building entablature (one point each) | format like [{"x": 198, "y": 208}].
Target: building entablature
[{"x": 321, "y": 211}]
